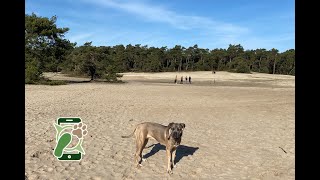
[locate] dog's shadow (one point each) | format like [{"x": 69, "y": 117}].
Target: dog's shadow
[{"x": 181, "y": 152}]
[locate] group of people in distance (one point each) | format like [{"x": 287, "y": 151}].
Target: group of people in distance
[{"x": 181, "y": 81}]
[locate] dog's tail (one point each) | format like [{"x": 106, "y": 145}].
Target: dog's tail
[{"x": 130, "y": 134}]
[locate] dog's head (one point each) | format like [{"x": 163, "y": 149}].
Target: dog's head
[{"x": 175, "y": 130}]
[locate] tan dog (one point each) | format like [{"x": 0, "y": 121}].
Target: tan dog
[{"x": 169, "y": 136}]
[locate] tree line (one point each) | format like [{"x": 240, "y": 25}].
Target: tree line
[{"x": 46, "y": 49}]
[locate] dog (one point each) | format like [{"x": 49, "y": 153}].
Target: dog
[{"x": 169, "y": 136}]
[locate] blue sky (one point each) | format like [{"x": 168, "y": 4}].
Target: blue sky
[{"x": 208, "y": 23}]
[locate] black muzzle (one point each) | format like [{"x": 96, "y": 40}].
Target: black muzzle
[{"x": 176, "y": 134}]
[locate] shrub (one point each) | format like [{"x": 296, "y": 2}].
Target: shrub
[
  {"x": 112, "y": 77},
  {"x": 32, "y": 72},
  {"x": 52, "y": 82},
  {"x": 242, "y": 68}
]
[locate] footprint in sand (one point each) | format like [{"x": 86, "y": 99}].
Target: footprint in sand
[{"x": 79, "y": 130}]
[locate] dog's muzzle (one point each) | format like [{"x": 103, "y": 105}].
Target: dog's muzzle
[{"x": 176, "y": 134}]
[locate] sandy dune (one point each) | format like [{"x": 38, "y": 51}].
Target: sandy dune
[{"x": 240, "y": 127}]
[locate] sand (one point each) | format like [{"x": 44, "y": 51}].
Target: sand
[{"x": 238, "y": 126}]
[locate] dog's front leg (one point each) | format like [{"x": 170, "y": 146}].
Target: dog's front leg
[
  {"x": 173, "y": 157},
  {"x": 169, "y": 153}
]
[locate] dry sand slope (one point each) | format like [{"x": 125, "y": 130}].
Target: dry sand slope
[{"x": 241, "y": 127}]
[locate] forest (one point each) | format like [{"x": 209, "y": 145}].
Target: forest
[{"x": 47, "y": 50}]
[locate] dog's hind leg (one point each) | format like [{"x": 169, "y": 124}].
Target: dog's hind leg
[
  {"x": 143, "y": 147},
  {"x": 140, "y": 144},
  {"x": 138, "y": 153}
]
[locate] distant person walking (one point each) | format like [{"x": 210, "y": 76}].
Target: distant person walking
[
  {"x": 189, "y": 79},
  {"x": 176, "y": 79},
  {"x": 181, "y": 82},
  {"x": 186, "y": 79}
]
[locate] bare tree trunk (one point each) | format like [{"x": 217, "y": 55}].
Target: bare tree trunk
[
  {"x": 259, "y": 63},
  {"x": 218, "y": 68},
  {"x": 192, "y": 64},
  {"x": 274, "y": 66},
  {"x": 187, "y": 61},
  {"x": 292, "y": 68}
]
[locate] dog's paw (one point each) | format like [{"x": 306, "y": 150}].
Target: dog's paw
[
  {"x": 173, "y": 166},
  {"x": 139, "y": 165},
  {"x": 143, "y": 159},
  {"x": 169, "y": 171}
]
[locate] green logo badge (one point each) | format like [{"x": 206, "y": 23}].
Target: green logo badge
[{"x": 67, "y": 129}]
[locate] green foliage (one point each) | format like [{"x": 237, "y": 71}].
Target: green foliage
[
  {"x": 243, "y": 68},
  {"x": 286, "y": 64},
  {"x": 96, "y": 62},
  {"x": 239, "y": 65},
  {"x": 33, "y": 75},
  {"x": 51, "y": 82},
  {"x": 47, "y": 50},
  {"x": 110, "y": 75},
  {"x": 32, "y": 72},
  {"x": 143, "y": 59},
  {"x": 234, "y": 51}
]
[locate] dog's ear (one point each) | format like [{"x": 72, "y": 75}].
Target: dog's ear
[
  {"x": 170, "y": 125},
  {"x": 169, "y": 129},
  {"x": 183, "y": 125}
]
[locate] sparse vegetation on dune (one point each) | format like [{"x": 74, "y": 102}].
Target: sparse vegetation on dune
[{"x": 43, "y": 81}]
